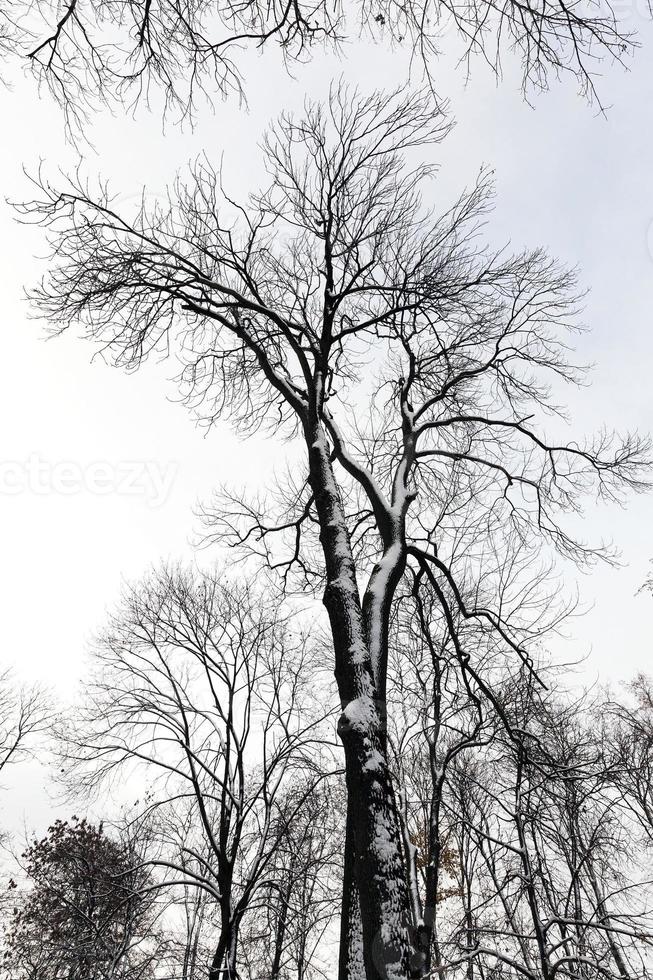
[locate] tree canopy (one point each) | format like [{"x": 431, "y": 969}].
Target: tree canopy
[{"x": 92, "y": 52}]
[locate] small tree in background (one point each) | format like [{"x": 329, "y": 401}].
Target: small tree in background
[
  {"x": 206, "y": 690},
  {"x": 23, "y": 714},
  {"x": 86, "y": 914}
]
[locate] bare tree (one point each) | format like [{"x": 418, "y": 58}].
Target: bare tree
[
  {"x": 544, "y": 880},
  {"x": 87, "y": 51},
  {"x": 24, "y": 713},
  {"x": 630, "y": 737},
  {"x": 290, "y": 927},
  {"x": 205, "y": 690},
  {"x": 410, "y": 361},
  {"x": 192, "y": 942}
]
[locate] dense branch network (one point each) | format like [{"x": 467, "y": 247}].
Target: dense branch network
[
  {"x": 287, "y": 298},
  {"x": 522, "y": 849},
  {"x": 202, "y": 692},
  {"x": 90, "y": 51},
  {"x": 419, "y": 370}
]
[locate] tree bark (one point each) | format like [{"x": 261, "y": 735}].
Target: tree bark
[
  {"x": 378, "y": 859},
  {"x": 224, "y": 963},
  {"x": 351, "y": 963}
]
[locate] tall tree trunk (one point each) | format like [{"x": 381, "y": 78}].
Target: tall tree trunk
[
  {"x": 378, "y": 861},
  {"x": 351, "y": 963},
  {"x": 224, "y": 963}
]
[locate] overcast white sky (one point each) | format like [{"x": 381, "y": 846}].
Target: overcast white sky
[{"x": 569, "y": 179}]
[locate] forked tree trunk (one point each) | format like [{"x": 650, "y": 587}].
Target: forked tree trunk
[
  {"x": 378, "y": 861},
  {"x": 224, "y": 963}
]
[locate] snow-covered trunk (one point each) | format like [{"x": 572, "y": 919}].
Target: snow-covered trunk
[
  {"x": 466, "y": 889},
  {"x": 376, "y": 613},
  {"x": 428, "y": 944},
  {"x": 377, "y": 603},
  {"x": 232, "y": 952},
  {"x": 378, "y": 861},
  {"x": 224, "y": 963},
  {"x": 350, "y": 962}
]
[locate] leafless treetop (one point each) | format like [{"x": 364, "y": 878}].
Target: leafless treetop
[{"x": 87, "y": 51}]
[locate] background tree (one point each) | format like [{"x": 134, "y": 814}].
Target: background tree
[
  {"x": 291, "y": 925},
  {"x": 207, "y": 693},
  {"x": 629, "y": 733},
  {"x": 85, "y": 912},
  {"x": 411, "y": 362},
  {"x": 192, "y": 944},
  {"x": 543, "y": 881},
  {"x": 24, "y": 713}
]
